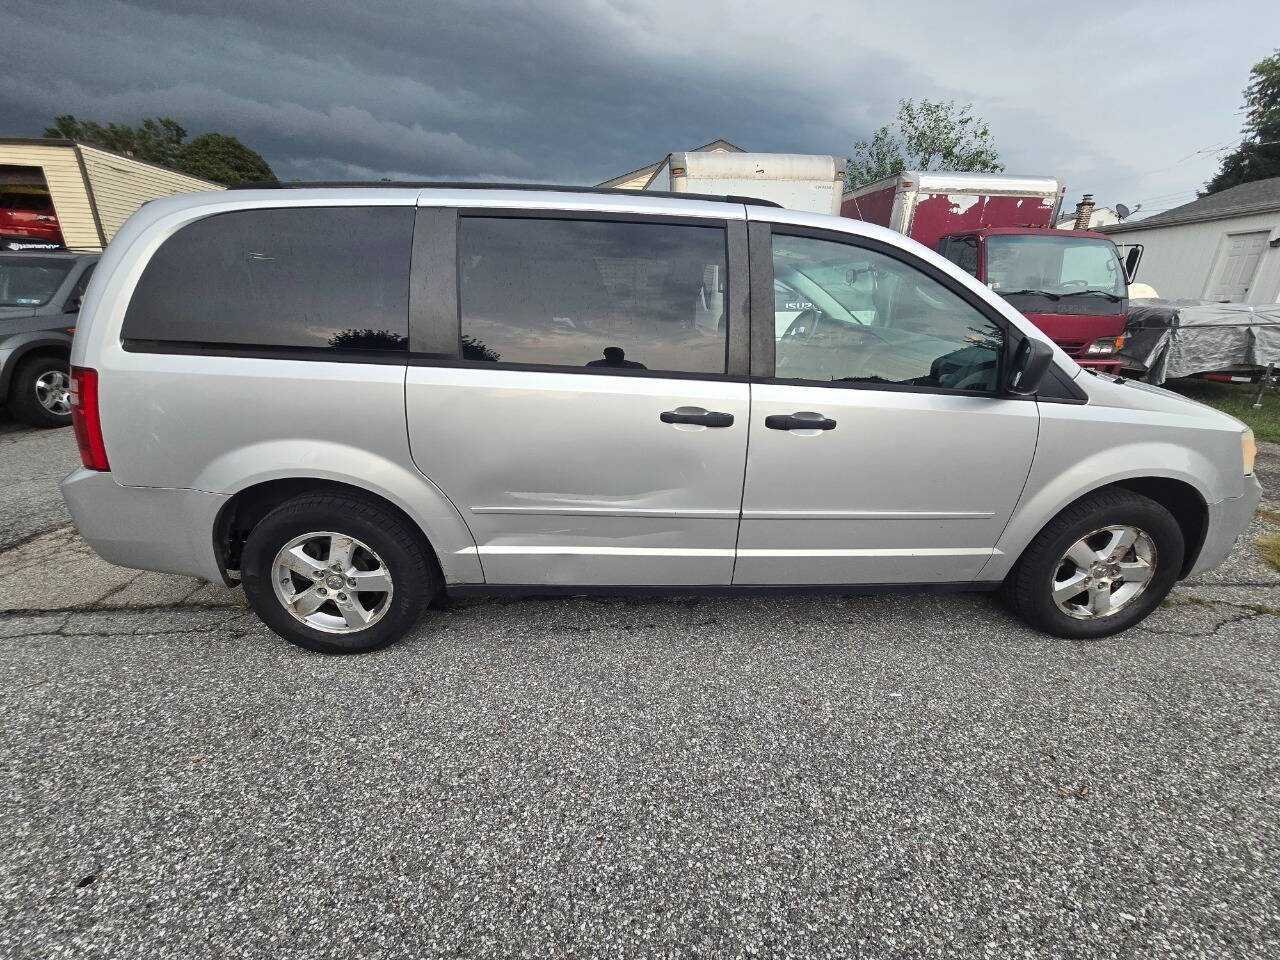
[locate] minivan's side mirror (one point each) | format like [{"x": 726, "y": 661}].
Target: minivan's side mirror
[
  {"x": 1030, "y": 364},
  {"x": 1131, "y": 261}
]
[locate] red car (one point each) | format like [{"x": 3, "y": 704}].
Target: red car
[{"x": 26, "y": 212}]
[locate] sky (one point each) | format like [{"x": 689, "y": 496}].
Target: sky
[{"x": 1133, "y": 102}]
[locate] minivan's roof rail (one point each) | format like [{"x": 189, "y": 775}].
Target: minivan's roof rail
[{"x": 468, "y": 185}]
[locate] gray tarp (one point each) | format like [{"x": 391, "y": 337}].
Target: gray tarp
[{"x": 1176, "y": 338}]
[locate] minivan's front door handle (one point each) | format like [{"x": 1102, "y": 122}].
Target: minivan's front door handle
[
  {"x": 804, "y": 420},
  {"x": 705, "y": 418}
]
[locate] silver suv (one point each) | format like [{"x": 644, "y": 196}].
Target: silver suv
[{"x": 354, "y": 400}]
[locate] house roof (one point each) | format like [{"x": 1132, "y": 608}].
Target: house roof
[
  {"x": 1258, "y": 196},
  {"x": 650, "y": 168}
]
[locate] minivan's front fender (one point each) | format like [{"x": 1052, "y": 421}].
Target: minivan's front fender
[
  {"x": 244, "y": 467},
  {"x": 1062, "y": 474}
]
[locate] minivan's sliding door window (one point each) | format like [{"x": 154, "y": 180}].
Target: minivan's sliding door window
[
  {"x": 577, "y": 293},
  {"x": 589, "y": 435}
]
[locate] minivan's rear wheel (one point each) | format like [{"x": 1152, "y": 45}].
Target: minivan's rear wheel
[
  {"x": 1099, "y": 567},
  {"x": 337, "y": 573},
  {"x": 39, "y": 393}
]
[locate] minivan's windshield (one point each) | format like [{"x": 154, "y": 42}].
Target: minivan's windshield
[
  {"x": 1056, "y": 265},
  {"x": 31, "y": 281}
]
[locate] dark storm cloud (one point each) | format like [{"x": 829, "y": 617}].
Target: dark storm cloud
[
  {"x": 579, "y": 91},
  {"x": 481, "y": 90}
]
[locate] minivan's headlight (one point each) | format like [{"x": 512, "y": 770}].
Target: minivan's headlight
[
  {"x": 1104, "y": 346},
  {"x": 1249, "y": 447}
]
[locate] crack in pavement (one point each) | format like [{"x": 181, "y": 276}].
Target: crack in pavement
[{"x": 20, "y": 613}]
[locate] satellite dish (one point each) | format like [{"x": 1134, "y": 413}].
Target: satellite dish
[{"x": 1122, "y": 211}]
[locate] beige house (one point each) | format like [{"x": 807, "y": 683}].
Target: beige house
[
  {"x": 639, "y": 178},
  {"x": 93, "y": 191}
]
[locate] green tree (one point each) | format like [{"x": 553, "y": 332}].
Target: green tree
[
  {"x": 929, "y": 135},
  {"x": 1258, "y": 156},
  {"x": 155, "y": 140},
  {"x": 223, "y": 159},
  {"x": 163, "y": 141}
]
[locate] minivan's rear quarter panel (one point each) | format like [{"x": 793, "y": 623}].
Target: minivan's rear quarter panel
[{"x": 222, "y": 424}]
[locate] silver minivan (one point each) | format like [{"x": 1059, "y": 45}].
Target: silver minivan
[{"x": 353, "y": 400}]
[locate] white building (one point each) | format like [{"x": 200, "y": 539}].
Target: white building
[
  {"x": 1100, "y": 217},
  {"x": 1224, "y": 247}
]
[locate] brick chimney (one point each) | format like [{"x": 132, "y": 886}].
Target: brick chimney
[{"x": 1084, "y": 211}]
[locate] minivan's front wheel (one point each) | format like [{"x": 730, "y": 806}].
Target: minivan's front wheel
[
  {"x": 336, "y": 573},
  {"x": 1099, "y": 567}
]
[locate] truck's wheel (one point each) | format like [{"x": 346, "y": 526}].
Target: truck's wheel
[
  {"x": 1098, "y": 567},
  {"x": 337, "y": 573},
  {"x": 38, "y": 392}
]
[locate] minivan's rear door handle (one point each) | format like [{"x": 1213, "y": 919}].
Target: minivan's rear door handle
[
  {"x": 804, "y": 420},
  {"x": 705, "y": 418}
]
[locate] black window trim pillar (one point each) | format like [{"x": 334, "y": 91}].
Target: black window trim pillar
[
  {"x": 760, "y": 246},
  {"x": 434, "y": 327}
]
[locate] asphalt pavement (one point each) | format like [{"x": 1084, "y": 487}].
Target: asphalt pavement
[{"x": 810, "y": 776}]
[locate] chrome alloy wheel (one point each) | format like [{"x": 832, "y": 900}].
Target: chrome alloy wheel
[
  {"x": 1103, "y": 572},
  {"x": 332, "y": 582},
  {"x": 53, "y": 390}
]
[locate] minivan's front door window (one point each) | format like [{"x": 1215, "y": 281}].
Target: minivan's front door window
[
  {"x": 848, "y": 314},
  {"x": 602, "y": 296}
]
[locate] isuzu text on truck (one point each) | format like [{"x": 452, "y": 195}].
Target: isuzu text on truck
[{"x": 1072, "y": 284}]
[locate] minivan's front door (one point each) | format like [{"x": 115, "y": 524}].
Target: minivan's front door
[
  {"x": 589, "y": 432},
  {"x": 880, "y": 451}
]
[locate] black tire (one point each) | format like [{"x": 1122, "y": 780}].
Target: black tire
[
  {"x": 401, "y": 548},
  {"x": 1028, "y": 588},
  {"x": 23, "y": 401}
]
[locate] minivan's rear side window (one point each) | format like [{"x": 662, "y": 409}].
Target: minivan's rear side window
[
  {"x": 320, "y": 277},
  {"x": 601, "y": 296}
]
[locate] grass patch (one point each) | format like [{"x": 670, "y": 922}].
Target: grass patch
[
  {"x": 1237, "y": 400},
  {"x": 1269, "y": 547},
  {"x": 1269, "y": 515}
]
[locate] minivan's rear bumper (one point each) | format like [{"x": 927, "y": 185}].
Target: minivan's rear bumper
[
  {"x": 1227, "y": 520},
  {"x": 149, "y": 528}
]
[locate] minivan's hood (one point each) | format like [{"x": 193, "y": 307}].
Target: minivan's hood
[
  {"x": 1111, "y": 391},
  {"x": 8, "y": 312}
]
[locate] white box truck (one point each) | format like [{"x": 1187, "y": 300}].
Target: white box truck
[{"x": 798, "y": 181}]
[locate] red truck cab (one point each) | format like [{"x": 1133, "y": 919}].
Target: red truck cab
[{"x": 1071, "y": 284}]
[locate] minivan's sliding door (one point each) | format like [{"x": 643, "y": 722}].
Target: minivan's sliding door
[{"x": 589, "y": 430}]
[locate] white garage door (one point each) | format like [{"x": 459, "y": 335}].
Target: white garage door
[{"x": 1237, "y": 263}]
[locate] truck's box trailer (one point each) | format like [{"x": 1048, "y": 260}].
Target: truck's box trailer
[
  {"x": 799, "y": 181},
  {"x": 93, "y": 191},
  {"x": 926, "y": 206}
]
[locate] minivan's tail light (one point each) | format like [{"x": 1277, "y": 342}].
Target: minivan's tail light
[{"x": 85, "y": 419}]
